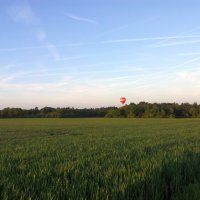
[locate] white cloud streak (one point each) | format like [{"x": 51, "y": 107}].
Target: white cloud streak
[
  {"x": 166, "y": 41},
  {"x": 176, "y": 43},
  {"x": 6, "y": 78},
  {"x": 53, "y": 51},
  {"x": 81, "y": 19},
  {"x": 127, "y": 40},
  {"x": 147, "y": 39}
]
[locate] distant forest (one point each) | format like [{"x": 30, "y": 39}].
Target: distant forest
[{"x": 140, "y": 110}]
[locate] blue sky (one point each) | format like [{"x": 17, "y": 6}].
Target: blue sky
[{"x": 90, "y": 53}]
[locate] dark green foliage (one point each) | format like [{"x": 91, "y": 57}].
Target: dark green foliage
[
  {"x": 156, "y": 110},
  {"x": 48, "y": 112},
  {"x": 140, "y": 110},
  {"x": 191, "y": 192},
  {"x": 141, "y": 159}
]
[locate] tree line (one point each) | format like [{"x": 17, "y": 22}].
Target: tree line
[
  {"x": 49, "y": 112},
  {"x": 156, "y": 110},
  {"x": 140, "y": 110}
]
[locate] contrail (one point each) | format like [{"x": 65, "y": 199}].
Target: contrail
[{"x": 101, "y": 42}]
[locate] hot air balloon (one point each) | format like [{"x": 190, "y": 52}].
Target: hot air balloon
[{"x": 122, "y": 100}]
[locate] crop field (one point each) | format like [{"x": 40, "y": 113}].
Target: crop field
[{"x": 141, "y": 159}]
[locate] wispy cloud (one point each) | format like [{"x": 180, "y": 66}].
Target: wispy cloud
[
  {"x": 125, "y": 26},
  {"x": 14, "y": 65},
  {"x": 22, "y": 12},
  {"x": 191, "y": 74},
  {"x": 172, "y": 43},
  {"x": 34, "y": 87},
  {"x": 81, "y": 19},
  {"x": 21, "y": 48},
  {"x": 130, "y": 68},
  {"x": 185, "y": 63},
  {"x": 8, "y": 78},
  {"x": 78, "y": 57},
  {"x": 53, "y": 51},
  {"x": 5, "y": 78},
  {"x": 176, "y": 43},
  {"x": 183, "y": 66},
  {"x": 187, "y": 76},
  {"x": 148, "y": 39},
  {"x": 118, "y": 41},
  {"x": 189, "y": 54}
]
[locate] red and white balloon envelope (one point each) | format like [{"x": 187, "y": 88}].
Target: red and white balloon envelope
[{"x": 122, "y": 100}]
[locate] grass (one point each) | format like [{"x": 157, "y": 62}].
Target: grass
[
  {"x": 98, "y": 158},
  {"x": 190, "y": 192}
]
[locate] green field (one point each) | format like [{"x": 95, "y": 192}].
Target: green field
[{"x": 99, "y": 158}]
